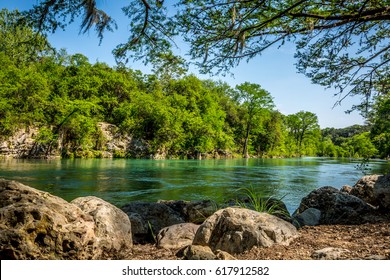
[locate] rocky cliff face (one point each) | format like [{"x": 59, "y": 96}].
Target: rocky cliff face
[
  {"x": 25, "y": 143},
  {"x": 30, "y": 142}
]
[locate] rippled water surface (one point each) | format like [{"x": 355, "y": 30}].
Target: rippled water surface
[{"x": 122, "y": 180}]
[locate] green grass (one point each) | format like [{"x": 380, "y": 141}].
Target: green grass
[{"x": 256, "y": 201}]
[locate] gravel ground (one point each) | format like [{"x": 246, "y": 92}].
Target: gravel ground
[{"x": 368, "y": 241}]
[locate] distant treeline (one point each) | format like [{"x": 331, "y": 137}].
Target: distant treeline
[{"x": 178, "y": 117}]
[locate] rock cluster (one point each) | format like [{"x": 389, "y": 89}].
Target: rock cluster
[
  {"x": 367, "y": 201},
  {"x": 148, "y": 218},
  {"x": 336, "y": 207},
  {"x": 37, "y": 225}
]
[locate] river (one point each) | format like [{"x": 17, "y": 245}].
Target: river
[{"x": 122, "y": 180}]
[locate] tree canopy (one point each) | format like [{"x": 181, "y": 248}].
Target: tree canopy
[
  {"x": 18, "y": 40},
  {"x": 340, "y": 44}
]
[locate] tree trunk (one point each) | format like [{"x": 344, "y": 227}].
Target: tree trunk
[{"x": 245, "y": 150}]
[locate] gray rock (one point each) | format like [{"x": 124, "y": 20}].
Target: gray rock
[
  {"x": 337, "y": 207},
  {"x": 329, "y": 253},
  {"x": 38, "y": 225},
  {"x": 309, "y": 217},
  {"x": 374, "y": 189},
  {"x": 236, "y": 230},
  {"x": 112, "y": 226},
  {"x": 140, "y": 229},
  {"x": 176, "y": 236},
  {"x": 22, "y": 144},
  {"x": 196, "y": 252},
  {"x": 148, "y": 218},
  {"x": 192, "y": 211}
]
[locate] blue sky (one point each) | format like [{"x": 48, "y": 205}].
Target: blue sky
[{"x": 274, "y": 70}]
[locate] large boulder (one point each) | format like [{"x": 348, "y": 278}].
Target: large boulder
[
  {"x": 337, "y": 207},
  {"x": 236, "y": 230},
  {"x": 374, "y": 189},
  {"x": 112, "y": 226},
  {"x": 176, "y": 236},
  {"x": 196, "y": 211},
  {"x": 148, "y": 218},
  {"x": 38, "y": 225}
]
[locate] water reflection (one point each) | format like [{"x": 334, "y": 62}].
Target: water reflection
[{"x": 119, "y": 181}]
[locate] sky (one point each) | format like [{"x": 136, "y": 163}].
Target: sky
[{"x": 274, "y": 70}]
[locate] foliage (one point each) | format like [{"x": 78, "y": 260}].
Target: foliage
[
  {"x": 340, "y": 135},
  {"x": 340, "y": 44},
  {"x": 256, "y": 201},
  {"x": 19, "y": 41},
  {"x": 363, "y": 166},
  {"x": 184, "y": 117},
  {"x": 302, "y": 127},
  {"x": 169, "y": 113},
  {"x": 380, "y": 119},
  {"x": 254, "y": 100}
]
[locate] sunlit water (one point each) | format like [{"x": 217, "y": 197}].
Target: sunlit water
[{"x": 122, "y": 180}]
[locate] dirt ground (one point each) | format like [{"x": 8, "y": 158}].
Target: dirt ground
[{"x": 368, "y": 241}]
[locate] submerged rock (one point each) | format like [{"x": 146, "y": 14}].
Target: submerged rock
[{"x": 236, "y": 230}]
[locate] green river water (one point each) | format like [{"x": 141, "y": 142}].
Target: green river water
[{"x": 122, "y": 180}]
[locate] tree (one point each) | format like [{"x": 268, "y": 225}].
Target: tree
[
  {"x": 254, "y": 99},
  {"x": 268, "y": 134},
  {"x": 380, "y": 120},
  {"x": 300, "y": 126},
  {"x": 362, "y": 146},
  {"x": 167, "y": 66},
  {"x": 341, "y": 44},
  {"x": 18, "y": 40}
]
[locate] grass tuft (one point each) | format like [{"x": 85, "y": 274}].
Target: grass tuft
[{"x": 255, "y": 201}]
